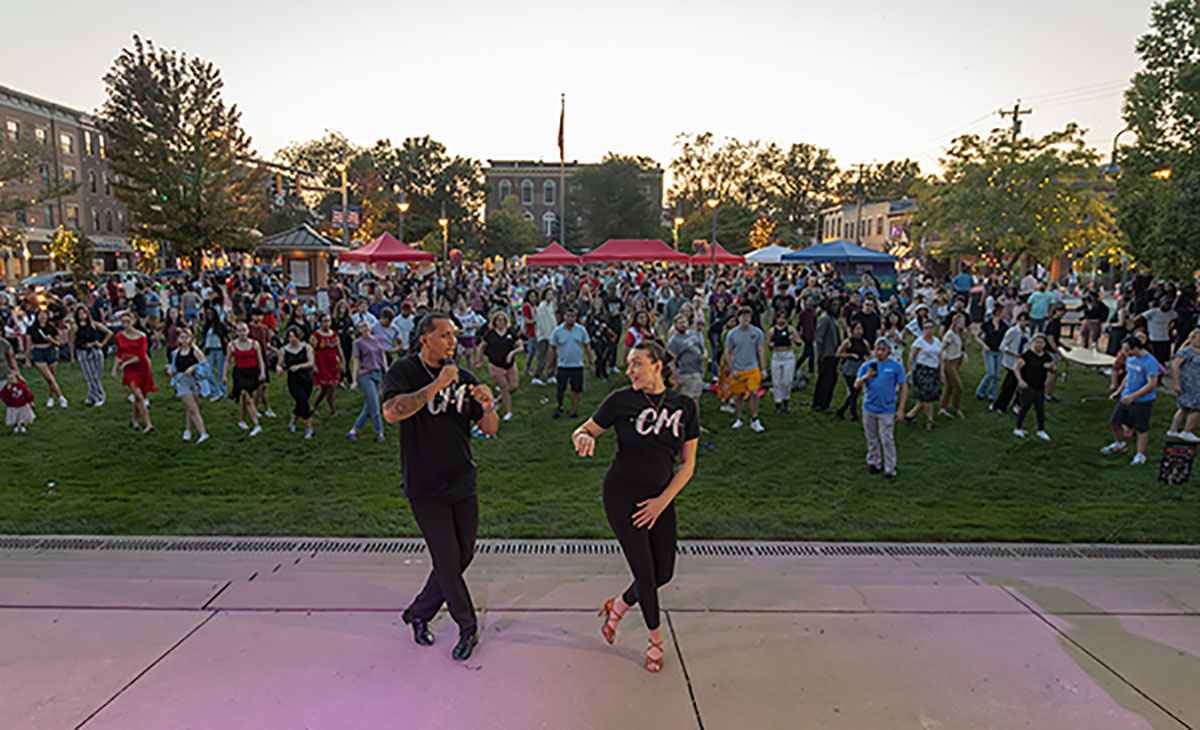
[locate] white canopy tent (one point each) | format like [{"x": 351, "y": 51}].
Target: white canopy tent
[{"x": 768, "y": 255}]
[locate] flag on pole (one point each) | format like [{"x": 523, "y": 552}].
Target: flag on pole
[{"x": 561, "y": 118}]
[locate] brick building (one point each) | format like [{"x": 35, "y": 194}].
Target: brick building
[
  {"x": 882, "y": 224},
  {"x": 536, "y": 187},
  {"x": 77, "y": 154}
]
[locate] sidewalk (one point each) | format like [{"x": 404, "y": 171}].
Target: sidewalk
[{"x": 145, "y": 640}]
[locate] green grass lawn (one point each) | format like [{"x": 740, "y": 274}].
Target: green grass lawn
[{"x": 803, "y": 479}]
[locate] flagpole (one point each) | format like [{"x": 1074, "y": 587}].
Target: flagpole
[{"x": 562, "y": 171}]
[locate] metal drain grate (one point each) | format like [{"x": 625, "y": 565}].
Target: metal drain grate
[{"x": 733, "y": 549}]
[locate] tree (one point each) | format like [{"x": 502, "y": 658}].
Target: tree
[
  {"x": 1003, "y": 198},
  {"x": 612, "y": 200},
  {"x": 27, "y": 180},
  {"x": 762, "y": 233},
  {"x": 705, "y": 166},
  {"x": 145, "y": 252},
  {"x": 72, "y": 251},
  {"x": 892, "y": 180},
  {"x": 1158, "y": 193},
  {"x": 734, "y": 224},
  {"x": 793, "y": 185},
  {"x": 174, "y": 147},
  {"x": 508, "y": 232}
]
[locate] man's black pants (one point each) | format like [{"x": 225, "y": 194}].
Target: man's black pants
[{"x": 450, "y": 529}]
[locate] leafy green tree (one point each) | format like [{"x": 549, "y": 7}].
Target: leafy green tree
[
  {"x": 1158, "y": 194},
  {"x": 998, "y": 197},
  {"x": 509, "y": 233},
  {"x": 175, "y": 147},
  {"x": 706, "y": 166},
  {"x": 27, "y": 180},
  {"x": 792, "y": 186},
  {"x": 893, "y": 180},
  {"x": 735, "y": 224},
  {"x": 72, "y": 251},
  {"x": 612, "y": 202}
]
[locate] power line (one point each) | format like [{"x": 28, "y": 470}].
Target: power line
[{"x": 1079, "y": 90}]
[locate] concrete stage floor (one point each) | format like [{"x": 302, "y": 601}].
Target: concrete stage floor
[{"x": 158, "y": 640}]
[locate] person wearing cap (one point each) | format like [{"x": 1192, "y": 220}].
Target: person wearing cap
[
  {"x": 1033, "y": 367},
  {"x": 879, "y": 378}
]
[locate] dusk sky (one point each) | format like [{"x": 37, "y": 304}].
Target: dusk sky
[{"x": 872, "y": 80}]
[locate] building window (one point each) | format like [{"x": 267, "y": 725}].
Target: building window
[
  {"x": 87, "y": 142},
  {"x": 48, "y": 216},
  {"x": 73, "y": 214},
  {"x": 526, "y": 192},
  {"x": 13, "y": 129},
  {"x": 92, "y": 180},
  {"x": 69, "y": 174},
  {"x": 100, "y": 138},
  {"x": 528, "y": 216},
  {"x": 120, "y": 221},
  {"x": 107, "y": 185},
  {"x": 40, "y": 135},
  {"x": 45, "y": 176},
  {"x": 66, "y": 143},
  {"x": 108, "y": 221},
  {"x": 548, "y": 191},
  {"x": 22, "y": 218},
  {"x": 879, "y": 226},
  {"x": 95, "y": 220},
  {"x": 505, "y": 190},
  {"x": 548, "y": 224}
]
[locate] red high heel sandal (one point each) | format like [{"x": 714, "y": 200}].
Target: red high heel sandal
[{"x": 612, "y": 618}]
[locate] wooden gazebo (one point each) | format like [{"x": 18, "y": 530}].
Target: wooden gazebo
[{"x": 306, "y": 256}]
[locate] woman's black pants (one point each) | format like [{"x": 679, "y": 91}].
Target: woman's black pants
[
  {"x": 450, "y": 529},
  {"x": 650, "y": 553},
  {"x": 826, "y": 381}
]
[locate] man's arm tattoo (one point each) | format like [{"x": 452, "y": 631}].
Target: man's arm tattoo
[{"x": 404, "y": 405}]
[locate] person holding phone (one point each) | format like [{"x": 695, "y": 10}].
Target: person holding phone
[{"x": 879, "y": 378}]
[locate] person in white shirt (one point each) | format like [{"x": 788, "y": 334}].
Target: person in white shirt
[
  {"x": 545, "y": 323},
  {"x": 927, "y": 368}
]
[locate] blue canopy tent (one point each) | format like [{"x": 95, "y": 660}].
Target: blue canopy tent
[
  {"x": 839, "y": 251},
  {"x": 851, "y": 261}
]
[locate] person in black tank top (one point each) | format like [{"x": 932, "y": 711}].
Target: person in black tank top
[
  {"x": 657, "y": 433},
  {"x": 783, "y": 359},
  {"x": 851, "y": 354},
  {"x": 190, "y": 381},
  {"x": 298, "y": 361},
  {"x": 88, "y": 340}
]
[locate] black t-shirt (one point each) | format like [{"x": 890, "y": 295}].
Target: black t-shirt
[
  {"x": 1054, "y": 329},
  {"x": 993, "y": 334},
  {"x": 1033, "y": 372},
  {"x": 783, "y": 303},
  {"x": 648, "y": 438},
  {"x": 497, "y": 346},
  {"x": 41, "y": 335},
  {"x": 435, "y": 442},
  {"x": 870, "y": 322}
]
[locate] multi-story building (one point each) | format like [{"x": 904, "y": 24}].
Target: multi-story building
[
  {"x": 879, "y": 226},
  {"x": 536, "y": 187},
  {"x": 76, "y": 154}
]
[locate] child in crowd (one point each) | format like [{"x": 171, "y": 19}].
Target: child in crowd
[{"x": 19, "y": 399}]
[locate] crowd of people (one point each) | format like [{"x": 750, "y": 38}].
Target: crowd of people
[{"x": 742, "y": 334}]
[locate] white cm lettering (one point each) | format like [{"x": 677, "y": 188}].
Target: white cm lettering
[{"x": 649, "y": 422}]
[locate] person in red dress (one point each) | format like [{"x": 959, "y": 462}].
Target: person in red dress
[
  {"x": 134, "y": 365},
  {"x": 327, "y": 348}
]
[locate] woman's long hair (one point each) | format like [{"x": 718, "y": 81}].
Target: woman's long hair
[{"x": 658, "y": 353}]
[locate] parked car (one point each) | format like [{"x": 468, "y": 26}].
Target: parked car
[
  {"x": 171, "y": 273},
  {"x": 40, "y": 282}
]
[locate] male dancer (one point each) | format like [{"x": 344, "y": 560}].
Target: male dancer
[{"x": 436, "y": 403}]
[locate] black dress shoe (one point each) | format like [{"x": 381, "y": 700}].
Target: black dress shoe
[
  {"x": 464, "y": 647},
  {"x": 421, "y": 633},
  {"x": 874, "y": 469}
]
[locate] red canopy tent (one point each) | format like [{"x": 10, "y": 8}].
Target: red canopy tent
[
  {"x": 552, "y": 255},
  {"x": 629, "y": 249},
  {"x": 386, "y": 248},
  {"x": 723, "y": 256}
]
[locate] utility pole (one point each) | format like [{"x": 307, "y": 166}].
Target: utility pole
[
  {"x": 1016, "y": 114},
  {"x": 858, "y": 196}
]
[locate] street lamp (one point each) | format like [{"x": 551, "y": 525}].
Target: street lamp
[
  {"x": 712, "y": 202},
  {"x": 401, "y": 206},
  {"x": 678, "y": 223},
  {"x": 444, "y": 222}
]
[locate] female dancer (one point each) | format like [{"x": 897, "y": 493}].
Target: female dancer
[
  {"x": 171, "y": 327},
  {"x": 851, "y": 354},
  {"x": 88, "y": 340},
  {"x": 299, "y": 361},
  {"x": 134, "y": 365},
  {"x": 366, "y": 371},
  {"x": 500, "y": 344},
  {"x": 1185, "y": 378},
  {"x": 249, "y": 369},
  {"x": 43, "y": 351},
  {"x": 926, "y": 365},
  {"x": 189, "y": 374},
  {"x": 783, "y": 358},
  {"x": 954, "y": 356},
  {"x": 657, "y": 429},
  {"x": 329, "y": 358}
]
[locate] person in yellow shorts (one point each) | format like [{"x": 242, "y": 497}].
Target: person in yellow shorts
[{"x": 745, "y": 361}]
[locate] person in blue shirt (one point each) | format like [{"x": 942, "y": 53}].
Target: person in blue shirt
[
  {"x": 879, "y": 378},
  {"x": 1039, "y": 307},
  {"x": 568, "y": 340},
  {"x": 963, "y": 282},
  {"x": 1135, "y": 399}
]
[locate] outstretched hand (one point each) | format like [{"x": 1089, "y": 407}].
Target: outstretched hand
[{"x": 585, "y": 444}]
